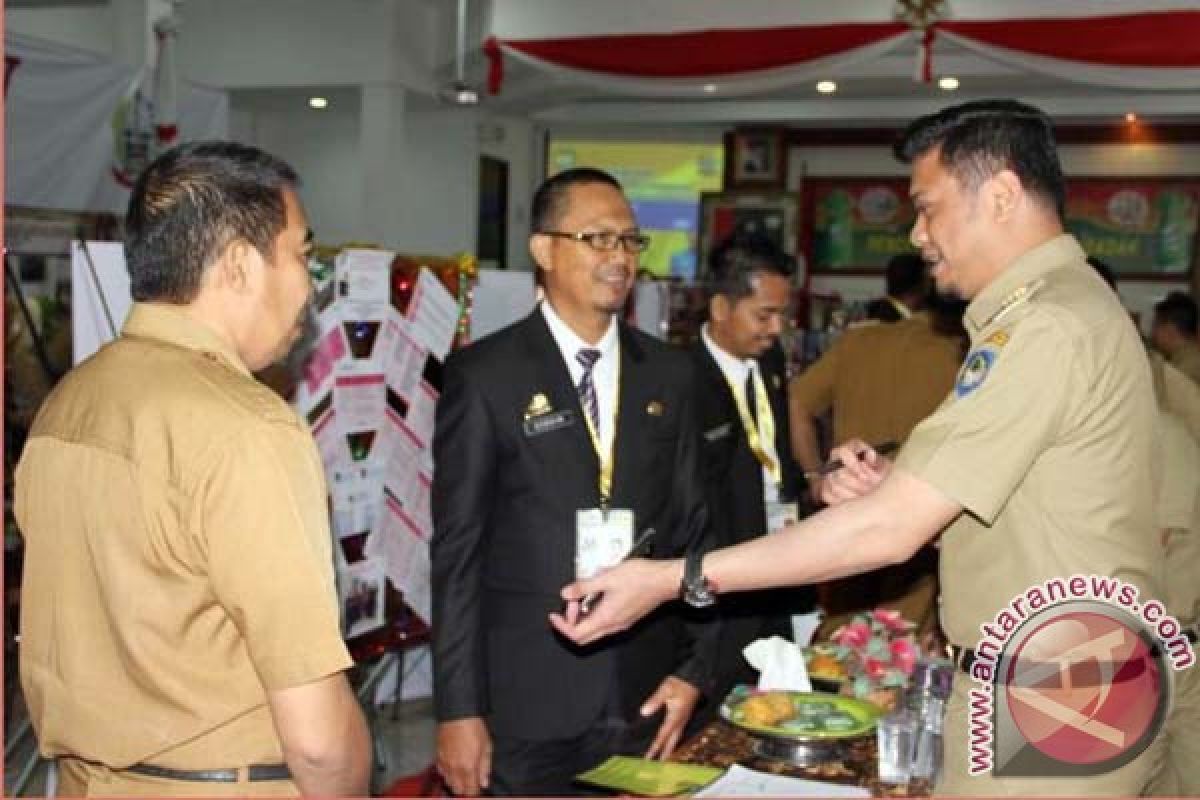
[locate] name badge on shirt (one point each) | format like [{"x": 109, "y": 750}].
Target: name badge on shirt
[
  {"x": 719, "y": 432},
  {"x": 780, "y": 515},
  {"x": 550, "y": 421},
  {"x": 602, "y": 539}
]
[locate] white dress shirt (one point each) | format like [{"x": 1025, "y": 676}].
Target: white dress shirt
[
  {"x": 736, "y": 371},
  {"x": 604, "y": 373}
]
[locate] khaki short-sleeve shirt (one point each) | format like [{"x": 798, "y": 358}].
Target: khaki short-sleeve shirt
[
  {"x": 178, "y": 557},
  {"x": 1046, "y": 441},
  {"x": 880, "y": 379},
  {"x": 1177, "y": 515},
  {"x": 1187, "y": 360}
]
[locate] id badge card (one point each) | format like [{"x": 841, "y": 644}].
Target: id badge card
[
  {"x": 602, "y": 539},
  {"x": 780, "y": 515}
]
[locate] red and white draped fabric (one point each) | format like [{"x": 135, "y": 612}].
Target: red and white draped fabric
[
  {"x": 72, "y": 119},
  {"x": 166, "y": 83},
  {"x": 674, "y": 47}
]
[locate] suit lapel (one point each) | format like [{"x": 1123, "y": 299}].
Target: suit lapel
[
  {"x": 568, "y": 456},
  {"x": 717, "y": 403},
  {"x": 638, "y": 386}
]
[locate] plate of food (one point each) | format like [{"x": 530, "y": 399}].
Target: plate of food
[
  {"x": 799, "y": 715},
  {"x": 826, "y": 671}
]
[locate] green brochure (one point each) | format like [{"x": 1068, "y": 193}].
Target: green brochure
[{"x": 649, "y": 778}]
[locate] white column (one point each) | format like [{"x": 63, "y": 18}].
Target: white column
[{"x": 383, "y": 153}]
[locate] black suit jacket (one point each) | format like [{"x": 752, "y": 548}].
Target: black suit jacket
[
  {"x": 504, "y": 504},
  {"x": 734, "y": 489}
]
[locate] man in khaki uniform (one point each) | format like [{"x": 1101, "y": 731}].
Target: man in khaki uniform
[
  {"x": 178, "y": 616},
  {"x": 1174, "y": 333},
  {"x": 1177, "y": 517},
  {"x": 879, "y": 380},
  {"x": 1037, "y": 466}
]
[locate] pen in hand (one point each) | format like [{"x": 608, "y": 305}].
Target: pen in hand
[{"x": 589, "y": 600}]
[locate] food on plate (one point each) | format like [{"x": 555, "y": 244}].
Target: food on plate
[
  {"x": 823, "y": 664},
  {"x": 767, "y": 709}
]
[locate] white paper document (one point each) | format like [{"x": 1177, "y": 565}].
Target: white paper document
[
  {"x": 359, "y": 401},
  {"x": 364, "y": 276},
  {"x": 742, "y": 782},
  {"x": 433, "y": 315},
  {"x": 403, "y": 359},
  {"x": 330, "y": 348},
  {"x": 405, "y": 557}
]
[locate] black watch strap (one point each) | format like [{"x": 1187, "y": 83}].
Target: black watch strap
[{"x": 697, "y": 590}]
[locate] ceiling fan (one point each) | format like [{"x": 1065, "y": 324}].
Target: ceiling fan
[{"x": 459, "y": 92}]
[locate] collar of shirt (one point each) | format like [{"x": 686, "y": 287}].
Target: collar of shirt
[
  {"x": 735, "y": 369},
  {"x": 604, "y": 374},
  {"x": 1041, "y": 260},
  {"x": 904, "y": 311},
  {"x": 170, "y": 324}
]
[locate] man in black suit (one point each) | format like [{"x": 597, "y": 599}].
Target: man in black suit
[
  {"x": 752, "y": 481},
  {"x": 562, "y": 442}
]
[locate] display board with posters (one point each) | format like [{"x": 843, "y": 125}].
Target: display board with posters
[
  {"x": 1141, "y": 227},
  {"x": 855, "y": 225},
  {"x": 371, "y": 379}
]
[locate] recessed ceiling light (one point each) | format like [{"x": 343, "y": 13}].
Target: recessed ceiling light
[
  {"x": 948, "y": 83},
  {"x": 710, "y": 87},
  {"x": 826, "y": 87},
  {"x": 1131, "y": 117},
  {"x": 318, "y": 102}
]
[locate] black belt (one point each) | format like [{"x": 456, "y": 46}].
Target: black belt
[
  {"x": 964, "y": 658},
  {"x": 254, "y": 773}
]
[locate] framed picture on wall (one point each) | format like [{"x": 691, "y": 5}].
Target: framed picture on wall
[
  {"x": 772, "y": 214},
  {"x": 756, "y": 158},
  {"x": 855, "y": 225},
  {"x": 1143, "y": 228}
]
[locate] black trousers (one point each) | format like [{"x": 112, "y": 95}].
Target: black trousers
[{"x": 540, "y": 769}]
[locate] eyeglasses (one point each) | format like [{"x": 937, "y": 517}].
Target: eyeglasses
[{"x": 606, "y": 240}]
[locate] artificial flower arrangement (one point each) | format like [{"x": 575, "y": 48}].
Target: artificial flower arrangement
[{"x": 878, "y": 650}]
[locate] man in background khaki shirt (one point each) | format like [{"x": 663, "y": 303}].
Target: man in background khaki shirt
[
  {"x": 178, "y": 616},
  {"x": 1037, "y": 466},
  {"x": 879, "y": 381},
  {"x": 1174, "y": 332}
]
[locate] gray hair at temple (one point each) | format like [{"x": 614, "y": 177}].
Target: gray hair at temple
[{"x": 979, "y": 139}]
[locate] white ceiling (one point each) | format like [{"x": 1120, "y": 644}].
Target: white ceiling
[{"x": 877, "y": 93}]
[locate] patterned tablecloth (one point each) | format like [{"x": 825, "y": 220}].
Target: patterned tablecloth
[{"x": 720, "y": 744}]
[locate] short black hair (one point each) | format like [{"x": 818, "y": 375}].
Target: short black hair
[
  {"x": 550, "y": 199},
  {"x": 1177, "y": 309},
  {"x": 735, "y": 261},
  {"x": 980, "y": 138},
  {"x": 905, "y": 274},
  {"x": 190, "y": 203}
]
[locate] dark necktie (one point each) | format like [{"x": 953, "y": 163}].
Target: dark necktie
[
  {"x": 587, "y": 388},
  {"x": 751, "y": 396}
]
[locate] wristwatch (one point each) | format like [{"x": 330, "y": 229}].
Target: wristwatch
[{"x": 698, "y": 591}]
